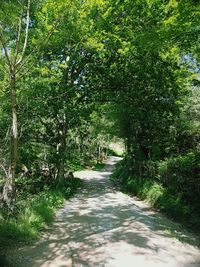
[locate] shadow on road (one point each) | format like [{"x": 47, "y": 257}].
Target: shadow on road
[{"x": 101, "y": 226}]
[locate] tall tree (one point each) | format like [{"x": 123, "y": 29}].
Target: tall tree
[
  {"x": 18, "y": 51},
  {"x": 14, "y": 54}
]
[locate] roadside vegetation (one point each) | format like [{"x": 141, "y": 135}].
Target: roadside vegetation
[
  {"x": 77, "y": 77},
  {"x": 171, "y": 189},
  {"x": 34, "y": 213}
]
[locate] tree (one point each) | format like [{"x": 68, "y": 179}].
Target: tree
[
  {"x": 14, "y": 35},
  {"x": 14, "y": 56}
]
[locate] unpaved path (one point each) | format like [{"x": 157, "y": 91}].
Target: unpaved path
[{"x": 101, "y": 226}]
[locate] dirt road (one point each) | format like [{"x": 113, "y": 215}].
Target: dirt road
[{"x": 101, "y": 226}]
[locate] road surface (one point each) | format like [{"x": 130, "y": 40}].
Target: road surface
[{"x": 102, "y": 227}]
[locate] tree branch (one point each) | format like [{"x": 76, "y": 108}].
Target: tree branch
[
  {"x": 45, "y": 41},
  {"x": 19, "y": 33},
  {"x": 26, "y": 33},
  {"x": 3, "y": 41}
]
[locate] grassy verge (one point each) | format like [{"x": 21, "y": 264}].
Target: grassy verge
[
  {"x": 34, "y": 213},
  {"x": 98, "y": 166},
  {"x": 76, "y": 165},
  {"x": 93, "y": 164},
  {"x": 161, "y": 198}
]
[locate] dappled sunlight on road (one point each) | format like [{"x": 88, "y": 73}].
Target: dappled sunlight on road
[{"x": 101, "y": 226}]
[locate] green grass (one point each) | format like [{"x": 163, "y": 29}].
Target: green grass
[
  {"x": 159, "y": 197},
  {"x": 98, "y": 166},
  {"x": 167, "y": 201},
  {"x": 79, "y": 166},
  {"x": 34, "y": 214},
  {"x": 75, "y": 165}
]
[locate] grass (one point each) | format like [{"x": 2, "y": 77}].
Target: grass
[
  {"x": 76, "y": 165},
  {"x": 161, "y": 198},
  {"x": 34, "y": 214},
  {"x": 98, "y": 166},
  {"x": 172, "y": 205},
  {"x": 79, "y": 166}
]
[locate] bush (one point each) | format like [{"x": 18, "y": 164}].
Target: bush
[
  {"x": 161, "y": 198},
  {"x": 121, "y": 171},
  {"x": 182, "y": 174},
  {"x": 174, "y": 190}
]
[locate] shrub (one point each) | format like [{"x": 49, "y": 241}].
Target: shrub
[
  {"x": 174, "y": 190},
  {"x": 182, "y": 174}
]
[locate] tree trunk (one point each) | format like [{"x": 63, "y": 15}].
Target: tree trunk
[
  {"x": 61, "y": 149},
  {"x": 9, "y": 187}
]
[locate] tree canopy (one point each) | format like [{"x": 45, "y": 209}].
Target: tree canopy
[{"x": 76, "y": 74}]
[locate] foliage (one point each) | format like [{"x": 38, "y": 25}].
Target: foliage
[
  {"x": 93, "y": 72},
  {"x": 34, "y": 213},
  {"x": 182, "y": 174},
  {"x": 31, "y": 218},
  {"x": 174, "y": 205}
]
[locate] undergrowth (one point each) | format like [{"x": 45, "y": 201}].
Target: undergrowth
[
  {"x": 34, "y": 213},
  {"x": 164, "y": 199},
  {"x": 98, "y": 166}
]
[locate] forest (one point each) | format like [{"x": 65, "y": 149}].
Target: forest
[{"x": 76, "y": 76}]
